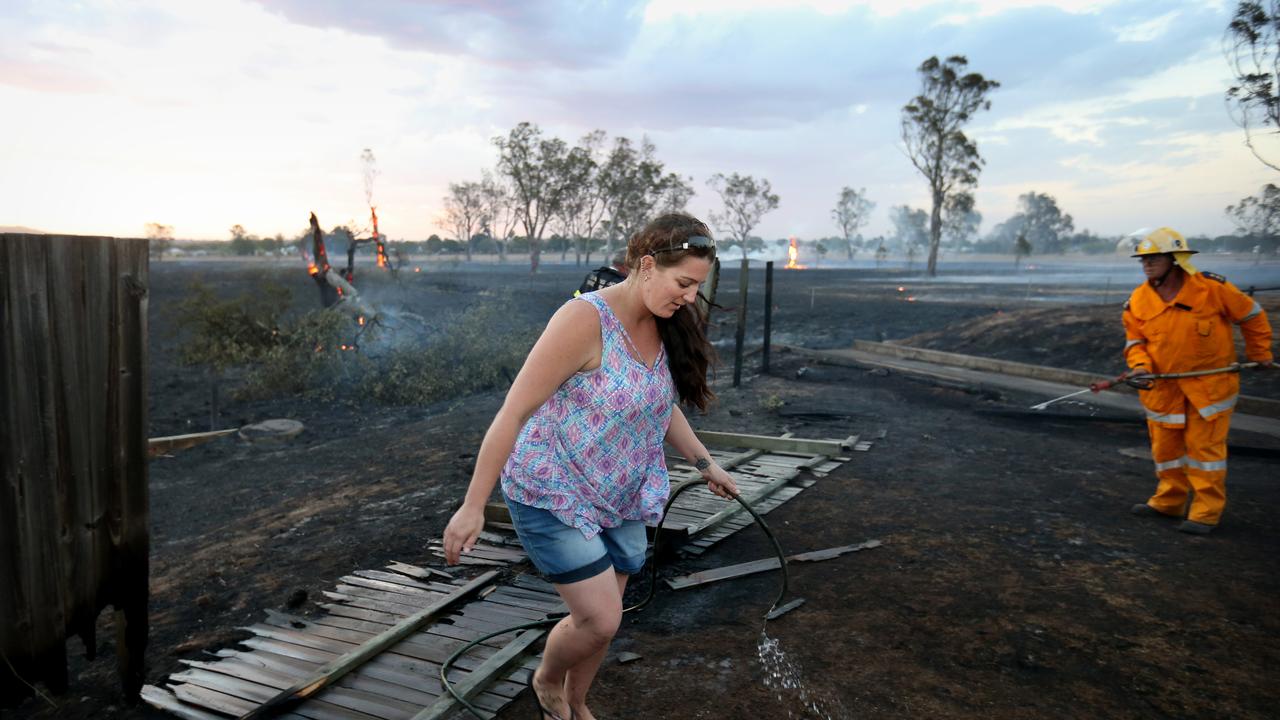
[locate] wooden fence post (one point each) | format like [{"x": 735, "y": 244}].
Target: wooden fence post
[
  {"x": 768, "y": 315},
  {"x": 742, "y": 323}
]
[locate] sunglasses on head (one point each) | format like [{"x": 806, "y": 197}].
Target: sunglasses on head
[{"x": 693, "y": 241}]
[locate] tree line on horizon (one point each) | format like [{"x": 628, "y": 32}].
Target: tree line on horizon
[{"x": 544, "y": 193}]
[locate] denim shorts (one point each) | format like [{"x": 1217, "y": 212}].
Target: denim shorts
[{"x": 563, "y": 555}]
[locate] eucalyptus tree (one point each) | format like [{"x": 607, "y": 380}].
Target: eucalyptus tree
[
  {"x": 635, "y": 188},
  {"x": 1258, "y": 217},
  {"x": 501, "y": 210},
  {"x": 536, "y": 167},
  {"x": 932, "y": 133},
  {"x": 581, "y": 211},
  {"x": 909, "y": 228},
  {"x": 960, "y": 220},
  {"x": 1252, "y": 47},
  {"x": 465, "y": 212},
  {"x": 1041, "y": 222},
  {"x": 745, "y": 200},
  {"x": 852, "y": 211},
  {"x": 159, "y": 239}
]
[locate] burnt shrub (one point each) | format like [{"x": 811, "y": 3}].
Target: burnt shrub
[{"x": 480, "y": 351}]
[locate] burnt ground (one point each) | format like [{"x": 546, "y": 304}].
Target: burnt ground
[{"x": 1012, "y": 583}]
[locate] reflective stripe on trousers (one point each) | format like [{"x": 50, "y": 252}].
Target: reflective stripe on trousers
[
  {"x": 1210, "y": 410},
  {"x": 1171, "y": 418},
  {"x": 1190, "y": 458},
  {"x": 1186, "y": 461}
]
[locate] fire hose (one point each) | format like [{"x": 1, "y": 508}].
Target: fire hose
[
  {"x": 653, "y": 586},
  {"x": 1145, "y": 380}
]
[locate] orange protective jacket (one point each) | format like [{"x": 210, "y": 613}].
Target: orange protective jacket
[{"x": 1192, "y": 332}]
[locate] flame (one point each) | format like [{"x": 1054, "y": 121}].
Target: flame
[
  {"x": 901, "y": 289},
  {"x": 377, "y": 239},
  {"x": 360, "y": 320},
  {"x": 312, "y": 268},
  {"x": 793, "y": 255},
  {"x": 417, "y": 269}
]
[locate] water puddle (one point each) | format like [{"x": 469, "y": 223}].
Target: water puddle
[{"x": 784, "y": 676}]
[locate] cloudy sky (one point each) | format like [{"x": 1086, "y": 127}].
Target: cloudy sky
[{"x": 205, "y": 114}]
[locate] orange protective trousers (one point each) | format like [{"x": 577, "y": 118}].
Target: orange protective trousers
[{"x": 1189, "y": 458}]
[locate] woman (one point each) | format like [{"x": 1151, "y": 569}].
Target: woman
[{"x": 578, "y": 445}]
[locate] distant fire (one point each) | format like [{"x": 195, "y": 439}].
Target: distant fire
[
  {"x": 381, "y": 248},
  {"x": 793, "y": 256}
]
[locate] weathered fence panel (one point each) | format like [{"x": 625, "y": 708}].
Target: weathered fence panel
[{"x": 73, "y": 453}]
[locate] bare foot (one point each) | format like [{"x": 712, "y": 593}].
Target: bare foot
[
  {"x": 550, "y": 698},
  {"x": 580, "y": 712}
]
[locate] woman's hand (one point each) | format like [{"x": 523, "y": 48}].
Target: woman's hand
[
  {"x": 461, "y": 533},
  {"x": 719, "y": 482}
]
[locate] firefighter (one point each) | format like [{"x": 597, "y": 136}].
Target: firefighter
[
  {"x": 1180, "y": 320},
  {"x": 604, "y": 276}
]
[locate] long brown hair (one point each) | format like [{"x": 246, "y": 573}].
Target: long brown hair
[{"x": 688, "y": 352}]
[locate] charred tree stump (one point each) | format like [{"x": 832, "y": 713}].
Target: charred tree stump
[{"x": 320, "y": 265}]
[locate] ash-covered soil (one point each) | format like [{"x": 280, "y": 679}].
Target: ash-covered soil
[
  {"x": 1013, "y": 582},
  {"x": 1077, "y": 337}
]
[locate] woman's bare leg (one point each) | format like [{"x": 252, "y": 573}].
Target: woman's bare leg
[
  {"x": 595, "y": 609},
  {"x": 579, "y": 678}
]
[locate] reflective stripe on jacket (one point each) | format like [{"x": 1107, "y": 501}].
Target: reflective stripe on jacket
[{"x": 1192, "y": 332}]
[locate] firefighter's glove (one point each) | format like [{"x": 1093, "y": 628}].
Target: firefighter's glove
[{"x": 1139, "y": 378}]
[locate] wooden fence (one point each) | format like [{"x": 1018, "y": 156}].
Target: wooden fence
[{"x": 73, "y": 453}]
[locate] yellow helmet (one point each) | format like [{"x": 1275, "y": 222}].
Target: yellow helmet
[{"x": 1166, "y": 240}]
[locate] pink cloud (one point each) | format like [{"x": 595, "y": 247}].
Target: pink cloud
[{"x": 49, "y": 77}]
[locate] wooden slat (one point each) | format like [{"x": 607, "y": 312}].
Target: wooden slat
[
  {"x": 212, "y": 699},
  {"x": 762, "y": 565},
  {"x": 483, "y": 551},
  {"x": 171, "y": 443},
  {"x": 420, "y": 573},
  {"x": 393, "y": 588},
  {"x": 396, "y": 578},
  {"x": 772, "y": 443},
  {"x": 371, "y": 601},
  {"x": 162, "y": 699},
  {"x": 246, "y": 689}
]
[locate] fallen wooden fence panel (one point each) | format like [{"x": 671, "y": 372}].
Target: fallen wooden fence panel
[{"x": 376, "y": 654}]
